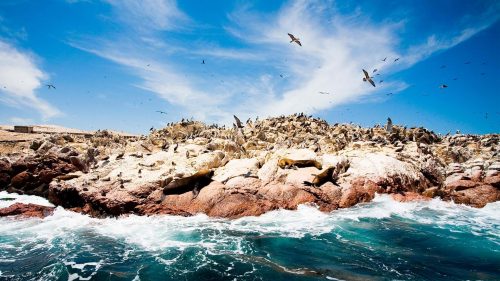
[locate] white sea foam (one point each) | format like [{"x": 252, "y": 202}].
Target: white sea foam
[
  {"x": 26, "y": 199},
  {"x": 154, "y": 233}
]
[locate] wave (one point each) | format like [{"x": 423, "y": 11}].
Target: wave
[
  {"x": 164, "y": 231},
  {"x": 369, "y": 236}
]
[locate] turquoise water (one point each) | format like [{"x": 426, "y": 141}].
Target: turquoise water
[{"x": 382, "y": 240}]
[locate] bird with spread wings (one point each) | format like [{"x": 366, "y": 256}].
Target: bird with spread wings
[
  {"x": 368, "y": 78},
  {"x": 294, "y": 39}
]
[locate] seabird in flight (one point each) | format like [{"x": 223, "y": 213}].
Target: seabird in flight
[
  {"x": 162, "y": 112},
  {"x": 443, "y": 86},
  {"x": 50, "y": 86},
  {"x": 368, "y": 78},
  {"x": 396, "y": 59},
  {"x": 324, "y": 93},
  {"x": 294, "y": 39}
]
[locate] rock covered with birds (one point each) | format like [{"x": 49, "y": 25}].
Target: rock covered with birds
[{"x": 252, "y": 167}]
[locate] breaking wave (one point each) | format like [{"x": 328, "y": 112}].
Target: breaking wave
[{"x": 380, "y": 240}]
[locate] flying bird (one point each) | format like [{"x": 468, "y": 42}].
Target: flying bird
[
  {"x": 50, "y": 86},
  {"x": 443, "y": 86},
  {"x": 294, "y": 39},
  {"x": 162, "y": 112},
  {"x": 396, "y": 59},
  {"x": 380, "y": 81},
  {"x": 324, "y": 93},
  {"x": 368, "y": 78},
  {"x": 281, "y": 75},
  {"x": 375, "y": 70},
  {"x": 384, "y": 59},
  {"x": 389, "y": 94},
  {"x": 238, "y": 122},
  {"x": 203, "y": 62}
]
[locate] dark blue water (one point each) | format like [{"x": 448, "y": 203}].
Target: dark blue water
[{"x": 382, "y": 240}]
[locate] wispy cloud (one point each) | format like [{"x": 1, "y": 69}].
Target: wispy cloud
[
  {"x": 335, "y": 48},
  {"x": 19, "y": 79},
  {"x": 161, "y": 79},
  {"x": 149, "y": 14}
]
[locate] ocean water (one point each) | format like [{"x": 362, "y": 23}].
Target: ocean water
[{"x": 381, "y": 240}]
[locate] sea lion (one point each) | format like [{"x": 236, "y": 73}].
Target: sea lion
[
  {"x": 192, "y": 183},
  {"x": 323, "y": 177},
  {"x": 331, "y": 174},
  {"x": 285, "y": 163}
]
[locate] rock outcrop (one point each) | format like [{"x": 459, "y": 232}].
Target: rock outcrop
[
  {"x": 107, "y": 175},
  {"x": 26, "y": 210}
]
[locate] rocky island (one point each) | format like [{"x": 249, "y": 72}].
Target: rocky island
[{"x": 190, "y": 167}]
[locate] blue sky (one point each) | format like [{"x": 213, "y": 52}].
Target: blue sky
[{"x": 114, "y": 63}]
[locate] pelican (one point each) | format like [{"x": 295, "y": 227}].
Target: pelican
[
  {"x": 368, "y": 78},
  {"x": 294, "y": 39}
]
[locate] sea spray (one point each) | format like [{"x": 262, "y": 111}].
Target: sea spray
[{"x": 383, "y": 239}]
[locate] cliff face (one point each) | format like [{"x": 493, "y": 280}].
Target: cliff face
[{"x": 111, "y": 175}]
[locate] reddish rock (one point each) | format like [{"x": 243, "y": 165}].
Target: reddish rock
[
  {"x": 79, "y": 164},
  {"x": 461, "y": 185},
  {"x": 46, "y": 176},
  {"x": 477, "y": 197},
  {"x": 409, "y": 196},
  {"x": 494, "y": 180},
  {"x": 361, "y": 190},
  {"x": 21, "y": 179},
  {"x": 27, "y": 210}
]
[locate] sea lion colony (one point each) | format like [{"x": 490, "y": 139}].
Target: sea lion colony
[{"x": 106, "y": 174}]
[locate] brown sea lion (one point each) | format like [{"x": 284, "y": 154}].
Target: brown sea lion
[
  {"x": 285, "y": 163},
  {"x": 192, "y": 183},
  {"x": 323, "y": 177},
  {"x": 331, "y": 174}
]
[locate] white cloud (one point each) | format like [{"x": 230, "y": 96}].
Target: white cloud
[
  {"x": 161, "y": 79},
  {"x": 335, "y": 48},
  {"x": 149, "y": 14},
  {"x": 19, "y": 79},
  {"x": 334, "y": 51}
]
